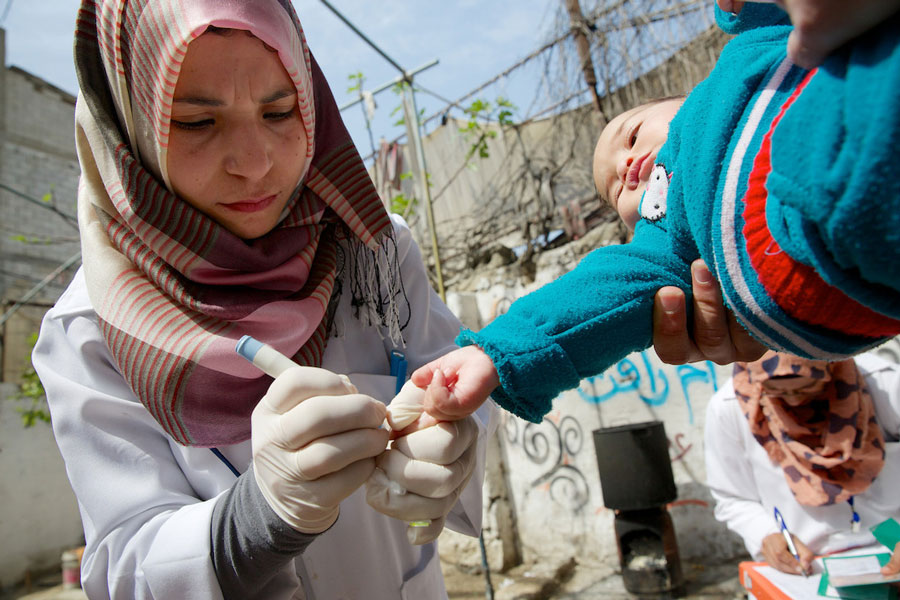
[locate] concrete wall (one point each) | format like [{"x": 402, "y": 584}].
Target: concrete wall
[
  {"x": 38, "y": 184},
  {"x": 37, "y": 158},
  {"x": 550, "y": 470},
  {"x": 39, "y": 518},
  {"x": 38, "y": 513}
]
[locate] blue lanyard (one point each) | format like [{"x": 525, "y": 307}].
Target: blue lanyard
[
  {"x": 854, "y": 519},
  {"x": 399, "y": 366}
]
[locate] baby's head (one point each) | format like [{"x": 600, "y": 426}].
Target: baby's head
[{"x": 626, "y": 152}]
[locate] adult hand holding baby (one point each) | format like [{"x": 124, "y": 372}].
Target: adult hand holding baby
[
  {"x": 311, "y": 449},
  {"x": 821, "y": 26}
]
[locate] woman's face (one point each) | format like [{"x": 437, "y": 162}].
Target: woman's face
[{"x": 237, "y": 145}]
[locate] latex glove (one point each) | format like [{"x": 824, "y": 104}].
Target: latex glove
[
  {"x": 314, "y": 442},
  {"x": 775, "y": 551},
  {"x": 406, "y": 406},
  {"x": 422, "y": 475}
]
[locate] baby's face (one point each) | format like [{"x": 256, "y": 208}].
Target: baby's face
[{"x": 626, "y": 152}]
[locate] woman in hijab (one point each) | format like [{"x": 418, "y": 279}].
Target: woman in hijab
[
  {"x": 221, "y": 196},
  {"x": 819, "y": 441}
]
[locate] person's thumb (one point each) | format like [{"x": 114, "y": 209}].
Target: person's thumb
[
  {"x": 803, "y": 50},
  {"x": 892, "y": 567}
]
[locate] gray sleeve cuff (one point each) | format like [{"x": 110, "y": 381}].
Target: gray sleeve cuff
[{"x": 250, "y": 543}]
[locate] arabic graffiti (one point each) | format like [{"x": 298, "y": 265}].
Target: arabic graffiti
[
  {"x": 651, "y": 385},
  {"x": 553, "y": 446},
  {"x": 678, "y": 447}
]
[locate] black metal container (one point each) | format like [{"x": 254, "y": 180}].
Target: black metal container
[
  {"x": 635, "y": 469},
  {"x": 637, "y": 481}
]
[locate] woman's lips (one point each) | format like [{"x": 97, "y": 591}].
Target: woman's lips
[{"x": 249, "y": 206}]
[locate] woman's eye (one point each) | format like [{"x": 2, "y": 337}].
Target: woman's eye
[
  {"x": 278, "y": 116},
  {"x": 193, "y": 125}
]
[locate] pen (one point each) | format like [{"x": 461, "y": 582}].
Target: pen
[
  {"x": 779, "y": 520},
  {"x": 274, "y": 363}
]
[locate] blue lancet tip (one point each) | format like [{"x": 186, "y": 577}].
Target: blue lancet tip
[{"x": 248, "y": 346}]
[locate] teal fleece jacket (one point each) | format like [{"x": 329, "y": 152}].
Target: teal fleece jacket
[{"x": 781, "y": 179}]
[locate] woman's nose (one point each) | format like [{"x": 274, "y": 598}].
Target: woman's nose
[{"x": 249, "y": 154}]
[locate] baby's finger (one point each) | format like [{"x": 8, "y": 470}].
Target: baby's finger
[
  {"x": 421, "y": 377},
  {"x": 439, "y": 402}
]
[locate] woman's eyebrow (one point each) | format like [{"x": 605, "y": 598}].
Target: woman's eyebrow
[
  {"x": 199, "y": 100},
  {"x": 205, "y": 101},
  {"x": 274, "y": 96}
]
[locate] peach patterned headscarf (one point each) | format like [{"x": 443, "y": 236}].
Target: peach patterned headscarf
[{"x": 824, "y": 436}]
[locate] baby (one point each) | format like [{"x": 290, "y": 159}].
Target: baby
[{"x": 758, "y": 174}]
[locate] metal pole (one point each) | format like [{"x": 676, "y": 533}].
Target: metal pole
[
  {"x": 364, "y": 38},
  {"x": 489, "y": 587},
  {"x": 393, "y": 82},
  {"x": 411, "y": 117},
  {"x": 415, "y": 138}
]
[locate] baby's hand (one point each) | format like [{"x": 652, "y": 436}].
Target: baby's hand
[{"x": 456, "y": 383}]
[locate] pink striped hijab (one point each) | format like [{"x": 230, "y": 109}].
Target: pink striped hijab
[{"x": 173, "y": 289}]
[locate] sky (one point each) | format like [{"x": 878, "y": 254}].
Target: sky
[{"x": 472, "y": 40}]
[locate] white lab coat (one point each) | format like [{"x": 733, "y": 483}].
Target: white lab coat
[
  {"x": 146, "y": 501},
  {"x": 747, "y": 485}
]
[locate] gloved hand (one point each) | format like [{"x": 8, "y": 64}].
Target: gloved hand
[
  {"x": 314, "y": 442},
  {"x": 422, "y": 475}
]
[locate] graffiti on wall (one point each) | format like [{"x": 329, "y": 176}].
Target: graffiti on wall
[
  {"x": 637, "y": 376},
  {"x": 552, "y": 446}
]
